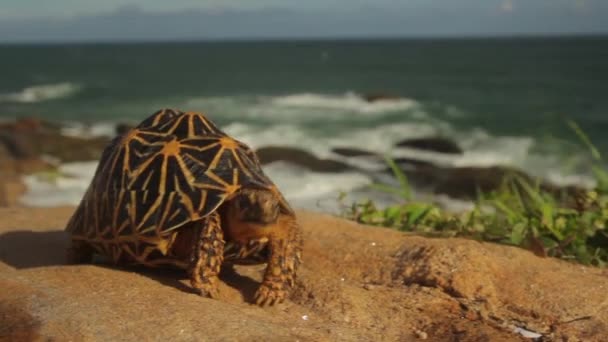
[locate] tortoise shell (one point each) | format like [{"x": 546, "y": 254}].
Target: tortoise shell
[{"x": 171, "y": 169}]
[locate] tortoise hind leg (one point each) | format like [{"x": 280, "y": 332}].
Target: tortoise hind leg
[
  {"x": 207, "y": 256},
  {"x": 79, "y": 252},
  {"x": 284, "y": 260}
]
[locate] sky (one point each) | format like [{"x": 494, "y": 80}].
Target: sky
[{"x": 115, "y": 20}]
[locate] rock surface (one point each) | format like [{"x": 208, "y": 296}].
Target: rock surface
[
  {"x": 300, "y": 157},
  {"x": 435, "y": 144},
  {"x": 30, "y": 138},
  {"x": 357, "y": 283},
  {"x": 30, "y": 145},
  {"x": 375, "y": 97}
]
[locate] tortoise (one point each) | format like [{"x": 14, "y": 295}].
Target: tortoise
[{"x": 176, "y": 191}]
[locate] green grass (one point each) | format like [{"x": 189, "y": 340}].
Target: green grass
[{"x": 518, "y": 213}]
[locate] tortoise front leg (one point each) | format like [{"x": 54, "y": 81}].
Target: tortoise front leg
[
  {"x": 285, "y": 257},
  {"x": 207, "y": 256}
]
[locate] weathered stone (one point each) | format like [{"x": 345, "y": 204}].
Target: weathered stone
[{"x": 449, "y": 289}]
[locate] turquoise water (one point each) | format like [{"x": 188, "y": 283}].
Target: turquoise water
[{"x": 504, "y": 101}]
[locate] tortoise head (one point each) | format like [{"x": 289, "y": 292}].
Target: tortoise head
[{"x": 256, "y": 206}]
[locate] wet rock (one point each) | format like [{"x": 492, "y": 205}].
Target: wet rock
[
  {"x": 441, "y": 145},
  {"x": 379, "y": 97},
  {"x": 352, "y": 152},
  {"x": 464, "y": 182},
  {"x": 32, "y": 138},
  {"x": 16, "y": 156},
  {"x": 16, "y": 144},
  {"x": 411, "y": 161},
  {"x": 69, "y": 149},
  {"x": 300, "y": 157},
  {"x": 123, "y": 128}
]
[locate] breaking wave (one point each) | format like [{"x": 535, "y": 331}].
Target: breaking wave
[
  {"x": 349, "y": 102},
  {"x": 294, "y": 121},
  {"x": 43, "y": 92}
]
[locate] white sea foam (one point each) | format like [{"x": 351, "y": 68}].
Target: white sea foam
[
  {"x": 304, "y": 189},
  {"x": 42, "y": 92},
  {"x": 313, "y": 190},
  {"x": 303, "y": 107},
  {"x": 78, "y": 129},
  {"x": 317, "y": 190},
  {"x": 293, "y": 121},
  {"x": 379, "y": 139},
  {"x": 67, "y": 188},
  {"x": 349, "y": 102}
]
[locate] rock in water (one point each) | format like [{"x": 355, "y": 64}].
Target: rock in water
[
  {"x": 352, "y": 152},
  {"x": 123, "y": 128},
  {"x": 441, "y": 145},
  {"x": 380, "y": 97},
  {"x": 31, "y": 138},
  {"x": 300, "y": 157}
]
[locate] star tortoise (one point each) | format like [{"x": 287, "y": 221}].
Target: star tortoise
[{"x": 176, "y": 191}]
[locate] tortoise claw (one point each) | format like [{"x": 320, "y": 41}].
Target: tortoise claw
[
  {"x": 207, "y": 290},
  {"x": 268, "y": 296}
]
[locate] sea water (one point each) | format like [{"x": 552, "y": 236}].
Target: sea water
[{"x": 504, "y": 101}]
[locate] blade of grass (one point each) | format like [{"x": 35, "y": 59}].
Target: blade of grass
[
  {"x": 404, "y": 184},
  {"x": 585, "y": 139}
]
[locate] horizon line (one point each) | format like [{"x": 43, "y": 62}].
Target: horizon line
[{"x": 498, "y": 36}]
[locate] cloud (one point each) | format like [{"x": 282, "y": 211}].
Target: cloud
[{"x": 507, "y": 6}]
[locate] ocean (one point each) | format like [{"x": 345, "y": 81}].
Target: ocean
[{"x": 504, "y": 101}]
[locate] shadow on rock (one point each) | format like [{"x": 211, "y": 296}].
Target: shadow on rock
[
  {"x": 244, "y": 284},
  {"x": 178, "y": 279},
  {"x": 166, "y": 276},
  {"x": 26, "y": 248}
]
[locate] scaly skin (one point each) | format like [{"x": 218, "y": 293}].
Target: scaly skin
[
  {"x": 285, "y": 257},
  {"x": 207, "y": 257},
  {"x": 256, "y": 216},
  {"x": 200, "y": 247}
]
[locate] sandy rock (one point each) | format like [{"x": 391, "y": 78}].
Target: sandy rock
[
  {"x": 357, "y": 283},
  {"x": 11, "y": 190}
]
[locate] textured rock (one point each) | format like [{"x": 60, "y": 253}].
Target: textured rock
[
  {"x": 29, "y": 138},
  {"x": 357, "y": 284},
  {"x": 442, "y": 145},
  {"x": 300, "y": 157},
  {"x": 375, "y": 97},
  {"x": 123, "y": 128},
  {"x": 353, "y": 152}
]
